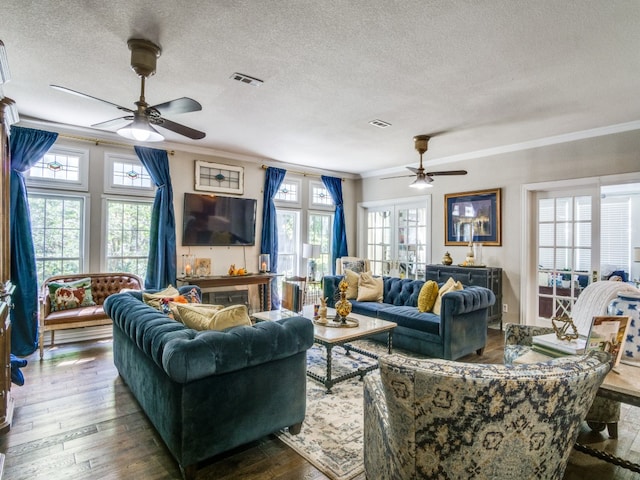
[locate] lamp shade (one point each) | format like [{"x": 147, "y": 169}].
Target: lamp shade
[{"x": 310, "y": 251}]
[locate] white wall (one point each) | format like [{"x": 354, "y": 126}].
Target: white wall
[
  {"x": 182, "y": 166},
  {"x": 594, "y": 157}
]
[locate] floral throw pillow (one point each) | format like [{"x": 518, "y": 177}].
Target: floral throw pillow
[{"x": 65, "y": 296}]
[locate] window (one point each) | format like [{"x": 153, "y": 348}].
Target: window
[
  {"x": 128, "y": 225},
  {"x": 289, "y": 193},
  {"x": 319, "y": 232},
  {"x": 397, "y": 237},
  {"x": 60, "y": 168},
  {"x": 288, "y": 241},
  {"x": 125, "y": 174},
  {"x": 615, "y": 249},
  {"x": 57, "y": 225},
  {"x": 320, "y": 196}
]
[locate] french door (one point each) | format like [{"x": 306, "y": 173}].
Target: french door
[{"x": 567, "y": 229}]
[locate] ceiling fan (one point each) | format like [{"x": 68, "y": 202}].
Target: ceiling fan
[
  {"x": 424, "y": 179},
  {"x": 143, "y": 61}
]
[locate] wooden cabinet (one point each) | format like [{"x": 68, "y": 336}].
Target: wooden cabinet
[
  {"x": 488, "y": 277},
  {"x": 6, "y": 402}
]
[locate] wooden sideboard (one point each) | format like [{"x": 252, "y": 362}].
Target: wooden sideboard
[
  {"x": 262, "y": 280},
  {"x": 488, "y": 277}
]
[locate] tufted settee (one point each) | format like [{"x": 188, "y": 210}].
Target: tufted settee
[
  {"x": 207, "y": 392},
  {"x": 102, "y": 285},
  {"x": 435, "y": 418},
  {"x": 459, "y": 329}
]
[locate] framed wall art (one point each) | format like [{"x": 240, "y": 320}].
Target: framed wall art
[
  {"x": 219, "y": 178},
  {"x": 473, "y": 217}
]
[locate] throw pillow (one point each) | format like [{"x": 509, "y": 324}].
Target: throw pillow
[
  {"x": 214, "y": 318},
  {"x": 155, "y": 299},
  {"x": 369, "y": 288},
  {"x": 427, "y": 296},
  {"x": 198, "y": 308},
  {"x": 356, "y": 266},
  {"x": 66, "y": 295},
  {"x": 449, "y": 286},
  {"x": 352, "y": 280}
]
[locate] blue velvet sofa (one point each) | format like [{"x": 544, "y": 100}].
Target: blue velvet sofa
[
  {"x": 460, "y": 329},
  {"x": 207, "y": 392}
]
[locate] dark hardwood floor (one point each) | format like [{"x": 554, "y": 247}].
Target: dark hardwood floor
[{"x": 75, "y": 419}]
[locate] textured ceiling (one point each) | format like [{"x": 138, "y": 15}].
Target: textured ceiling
[{"x": 480, "y": 74}]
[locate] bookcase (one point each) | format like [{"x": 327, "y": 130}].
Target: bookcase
[{"x": 488, "y": 277}]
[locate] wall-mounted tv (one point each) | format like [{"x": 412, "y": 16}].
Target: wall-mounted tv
[{"x": 213, "y": 220}]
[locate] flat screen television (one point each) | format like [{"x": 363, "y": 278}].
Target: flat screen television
[{"x": 213, "y": 220}]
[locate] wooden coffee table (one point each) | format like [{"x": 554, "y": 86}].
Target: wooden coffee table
[{"x": 331, "y": 336}]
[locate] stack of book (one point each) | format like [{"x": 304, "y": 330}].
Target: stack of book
[
  {"x": 606, "y": 333},
  {"x": 549, "y": 344}
]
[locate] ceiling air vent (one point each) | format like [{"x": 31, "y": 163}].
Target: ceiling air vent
[
  {"x": 379, "y": 123},
  {"x": 241, "y": 77}
]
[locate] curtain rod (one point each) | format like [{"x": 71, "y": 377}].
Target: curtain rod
[
  {"x": 297, "y": 172},
  {"x": 98, "y": 141}
]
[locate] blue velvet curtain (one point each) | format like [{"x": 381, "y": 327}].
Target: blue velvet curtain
[
  {"x": 161, "y": 269},
  {"x": 269, "y": 240},
  {"x": 339, "y": 238},
  {"x": 27, "y": 146}
]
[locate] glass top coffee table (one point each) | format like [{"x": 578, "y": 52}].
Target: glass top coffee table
[{"x": 331, "y": 335}]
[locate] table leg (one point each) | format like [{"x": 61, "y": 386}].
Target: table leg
[
  {"x": 328, "y": 382},
  {"x": 390, "y": 342}
]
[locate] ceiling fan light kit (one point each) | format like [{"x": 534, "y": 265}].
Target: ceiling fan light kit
[
  {"x": 421, "y": 183},
  {"x": 140, "y": 130}
]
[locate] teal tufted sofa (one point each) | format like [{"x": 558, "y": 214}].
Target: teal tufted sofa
[
  {"x": 210, "y": 391},
  {"x": 460, "y": 329}
]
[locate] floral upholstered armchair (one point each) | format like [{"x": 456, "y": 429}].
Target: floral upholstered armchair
[
  {"x": 443, "y": 419},
  {"x": 593, "y": 301}
]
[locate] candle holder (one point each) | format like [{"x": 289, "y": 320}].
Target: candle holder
[
  {"x": 188, "y": 265},
  {"x": 264, "y": 260}
]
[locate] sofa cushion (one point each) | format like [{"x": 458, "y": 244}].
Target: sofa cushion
[
  {"x": 402, "y": 291},
  {"x": 427, "y": 297},
  {"x": 369, "y": 288},
  {"x": 213, "y": 317},
  {"x": 410, "y": 317},
  {"x": 155, "y": 299},
  {"x": 352, "y": 279},
  {"x": 449, "y": 286},
  {"x": 80, "y": 314},
  {"x": 68, "y": 295}
]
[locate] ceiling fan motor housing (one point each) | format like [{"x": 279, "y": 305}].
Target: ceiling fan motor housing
[{"x": 144, "y": 55}]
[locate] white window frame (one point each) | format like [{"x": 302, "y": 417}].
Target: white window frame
[
  {"x": 86, "y": 208},
  {"x": 116, "y": 198},
  {"x": 110, "y": 188},
  {"x": 422, "y": 201},
  {"x": 81, "y": 185},
  {"x": 290, "y": 203},
  {"x": 320, "y": 206}
]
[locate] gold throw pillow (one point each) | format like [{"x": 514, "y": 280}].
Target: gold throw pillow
[
  {"x": 352, "y": 280},
  {"x": 427, "y": 297}
]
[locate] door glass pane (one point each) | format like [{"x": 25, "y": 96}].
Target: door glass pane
[{"x": 564, "y": 241}]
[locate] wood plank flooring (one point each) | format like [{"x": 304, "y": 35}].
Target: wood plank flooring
[{"x": 75, "y": 419}]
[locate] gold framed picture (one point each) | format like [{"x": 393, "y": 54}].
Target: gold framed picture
[{"x": 473, "y": 217}]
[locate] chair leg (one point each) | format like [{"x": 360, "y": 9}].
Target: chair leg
[
  {"x": 41, "y": 343},
  {"x": 480, "y": 351}
]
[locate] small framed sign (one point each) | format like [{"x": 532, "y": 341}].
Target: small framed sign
[{"x": 219, "y": 178}]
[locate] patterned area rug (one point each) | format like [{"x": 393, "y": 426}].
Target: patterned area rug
[{"x": 332, "y": 432}]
